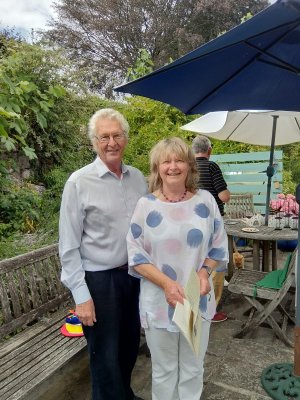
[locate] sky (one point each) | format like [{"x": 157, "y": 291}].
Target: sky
[{"x": 25, "y": 15}]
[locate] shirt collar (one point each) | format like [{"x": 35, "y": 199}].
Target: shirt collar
[
  {"x": 102, "y": 168},
  {"x": 202, "y": 158}
]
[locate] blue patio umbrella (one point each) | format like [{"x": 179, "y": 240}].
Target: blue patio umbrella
[{"x": 254, "y": 66}]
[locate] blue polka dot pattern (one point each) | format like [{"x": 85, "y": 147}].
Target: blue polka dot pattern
[
  {"x": 151, "y": 196},
  {"x": 136, "y": 230},
  {"x": 202, "y": 210},
  {"x": 169, "y": 271},
  {"x": 210, "y": 240},
  {"x": 140, "y": 259},
  {"x": 203, "y": 303},
  {"x": 217, "y": 224},
  {"x": 217, "y": 254},
  {"x": 194, "y": 237},
  {"x": 170, "y": 312},
  {"x": 153, "y": 219}
]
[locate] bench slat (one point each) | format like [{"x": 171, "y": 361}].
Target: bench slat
[
  {"x": 23, "y": 291},
  {"x": 40, "y": 279},
  {"x": 4, "y": 301},
  {"x": 55, "y": 263},
  {"x": 14, "y": 297},
  {"x": 34, "y": 295}
]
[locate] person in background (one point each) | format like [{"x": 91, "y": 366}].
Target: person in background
[
  {"x": 173, "y": 230},
  {"x": 211, "y": 179},
  {"x": 97, "y": 204}
]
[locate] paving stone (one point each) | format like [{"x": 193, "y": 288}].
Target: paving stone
[{"x": 216, "y": 392}]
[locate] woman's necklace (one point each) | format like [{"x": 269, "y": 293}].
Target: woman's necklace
[{"x": 175, "y": 201}]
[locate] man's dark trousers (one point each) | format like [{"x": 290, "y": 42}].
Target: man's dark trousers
[{"x": 113, "y": 341}]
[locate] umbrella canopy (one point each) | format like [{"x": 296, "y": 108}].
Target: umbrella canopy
[
  {"x": 249, "y": 126},
  {"x": 267, "y": 128},
  {"x": 253, "y": 66}
]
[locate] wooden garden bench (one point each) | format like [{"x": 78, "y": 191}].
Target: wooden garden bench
[
  {"x": 267, "y": 302},
  {"x": 33, "y": 307}
]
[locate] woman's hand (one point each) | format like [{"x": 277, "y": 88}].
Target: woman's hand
[
  {"x": 204, "y": 282},
  {"x": 173, "y": 292}
]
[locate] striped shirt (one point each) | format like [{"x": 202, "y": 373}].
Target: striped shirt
[{"x": 211, "y": 179}]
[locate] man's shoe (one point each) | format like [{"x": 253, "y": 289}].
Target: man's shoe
[
  {"x": 219, "y": 317},
  {"x": 137, "y": 398}
]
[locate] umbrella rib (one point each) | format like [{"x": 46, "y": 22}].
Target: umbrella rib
[
  {"x": 287, "y": 68},
  {"x": 297, "y": 123},
  {"x": 294, "y": 24},
  {"x": 237, "y": 126},
  {"x": 265, "y": 52}
]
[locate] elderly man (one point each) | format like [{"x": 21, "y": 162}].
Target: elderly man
[
  {"x": 97, "y": 205},
  {"x": 211, "y": 179}
]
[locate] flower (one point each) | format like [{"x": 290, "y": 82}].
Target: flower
[{"x": 285, "y": 203}]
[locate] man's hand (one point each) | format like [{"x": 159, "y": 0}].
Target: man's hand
[
  {"x": 173, "y": 292},
  {"x": 86, "y": 312}
]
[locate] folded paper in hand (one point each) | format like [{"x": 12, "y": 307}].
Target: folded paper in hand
[{"x": 187, "y": 316}]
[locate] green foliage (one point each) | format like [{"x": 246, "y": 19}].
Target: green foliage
[
  {"x": 291, "y": 154},
  {"x": 150, "y": 121},
  {"x": 289, "y": 186},
  {"x": 24, "y": 104},
  {"x": 19, "y": 207},
  {"x": 143, "y": 66}
]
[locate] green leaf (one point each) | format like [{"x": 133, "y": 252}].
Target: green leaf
[
  {"x": 44, "y": 106},
  {"x": 15, "y": 125},
  {"x": 29, "y": 152},
  {"x": 41, "y": 120},
  {"x": 27, "y": 87},
  {"x": 16, "y": 107},
  {"x": 9, "y": 143},
  {"x": 21, "y": 140},
  {"x": 7, "y": 114},
  {"x": 57, "y": 91},
  {"x": 3, "y": 132},
  {"x": 8, "y": 82}
]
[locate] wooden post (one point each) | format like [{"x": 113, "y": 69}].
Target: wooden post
[{"x": 297, "y": 352}]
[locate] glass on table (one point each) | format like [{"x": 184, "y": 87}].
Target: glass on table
[
  {"x": 294, "y": 224},
  {"x": 287, "y": 220},
  {"x": 278, "y": 219}
]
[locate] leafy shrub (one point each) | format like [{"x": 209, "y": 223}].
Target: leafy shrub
[{"x": 19, "y": 209}]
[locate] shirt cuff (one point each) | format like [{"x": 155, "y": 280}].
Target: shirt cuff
[{"x": 81, "y": 294}]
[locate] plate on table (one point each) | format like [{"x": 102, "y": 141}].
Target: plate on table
[
  {"x": 250, "y": 230},
  {"x": 228, "y": 222}
]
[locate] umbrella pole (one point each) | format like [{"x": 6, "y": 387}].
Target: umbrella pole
[
  {"x": 297, "y": 328},
  {"x": 270, "y": 169}
]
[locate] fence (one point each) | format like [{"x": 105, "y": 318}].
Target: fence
[{"x": 246, "y": 173}]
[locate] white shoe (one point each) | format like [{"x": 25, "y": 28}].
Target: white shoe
[{"x": 226, "y": 283}]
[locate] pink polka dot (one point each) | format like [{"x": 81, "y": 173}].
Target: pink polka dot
[
  {"x": 172, "y": 246},
  {"x": 178, "y": 214}
]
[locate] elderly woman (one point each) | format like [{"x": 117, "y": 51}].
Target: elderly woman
[{"x": 173, "y": 230}]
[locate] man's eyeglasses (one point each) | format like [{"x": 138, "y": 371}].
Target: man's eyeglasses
[{"x": 118, "y": 137}]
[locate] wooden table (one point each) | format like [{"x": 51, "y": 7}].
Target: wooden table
[{"x": 265, "y": 235}]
